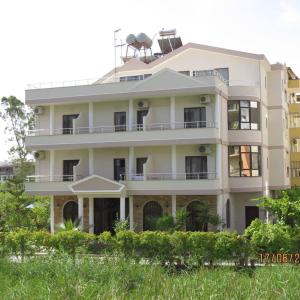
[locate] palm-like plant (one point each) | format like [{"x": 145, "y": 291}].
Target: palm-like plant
[{"x": 69, "y": 225}]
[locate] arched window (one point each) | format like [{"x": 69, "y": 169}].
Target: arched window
[
  {"x": 152, "y": 211},
  {"x": 198, "y": 213},
  {"x": 70, "y": 211},
  {"x": 228, "y": 213}
]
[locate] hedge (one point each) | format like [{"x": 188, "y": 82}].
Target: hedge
[{"x": 180, "y": 247}]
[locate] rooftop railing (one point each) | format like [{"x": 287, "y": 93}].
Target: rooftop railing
[
  {"x": 53, "y": 178},
  {"x": 122, "y": 128}
]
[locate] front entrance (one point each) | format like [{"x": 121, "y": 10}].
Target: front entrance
[
  {"x": 251, "y": 213},
  {"x": 106, "y": 213}
]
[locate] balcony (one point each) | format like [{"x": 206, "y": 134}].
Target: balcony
[
  {"x": 123, "y": 136},
  {"x": 136, "y": 184}
]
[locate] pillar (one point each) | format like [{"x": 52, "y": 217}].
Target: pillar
[
  {"x": 122, "y": 208},
  {"x": 174, "y": 206},
  {"x": 219, "y": 164},
  {"x": 218, "y": 111},
  {"x": 91, "y": 162},
  {"x": 51, "y": 120},
  {"x": 52, "y": 214},
  {"x": 174, "y": 162},
  {"x": 91, "y": 215},
  {"x": 91, "y": 117},
  {"x": 131, "y": 161},
  {"x": 172, "y": 112},
  {"x": 80, "y": 212},
  {"x": 130, "y": 114},
  {"x": 52, "y": 158},
  {"x": 131, "y": 212},
  {"x": 220, "y": 204}
]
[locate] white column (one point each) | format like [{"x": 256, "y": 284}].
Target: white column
[
  {"x": 130, "y": 114},
  {"x": 122, "y": 208},
  {"x": 131, "y": 212},
  {"x": 80, "y": 211},
  {"x": 174, "y": 206},
  {"x": 174, "y": 162},
  {"x": 91, "y": 116},
  {"x": 51, "y": 120},
  {"x": 52, "y": 214},
  {"x": 131, "y": 161},
  {"x": 52, "y": 159},
  {"x": 218, "y": 111},
  {"x": 91, "y": 215},
  {"x": 91, "y": 162},
  {"x": 219, "y": 158},
  {"x": 172, "y": 112}
]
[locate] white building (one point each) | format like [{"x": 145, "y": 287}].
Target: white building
[{"x": 198, "y": 124}]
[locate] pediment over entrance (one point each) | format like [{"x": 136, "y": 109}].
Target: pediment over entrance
[{"x": 96, "y": 185}]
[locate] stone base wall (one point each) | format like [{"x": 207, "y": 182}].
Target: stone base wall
[{"x": 59, "y": 203}]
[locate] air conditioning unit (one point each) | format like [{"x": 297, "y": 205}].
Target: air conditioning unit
[
  {"x": 204, "y": 149},
  {"x": 143, "y": 104},
  {"x": 38, "y": 110},
  {"x": 39, "y": 155},
  {"x": 204, "y": 99}
]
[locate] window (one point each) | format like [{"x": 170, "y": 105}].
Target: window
[
  {"x": 195, "y": 117},
  {"x": 151, "y": 212},
  {"x": 196, "y": 167},
  {"x": 228, "y": 213},
  {"x": 244, "y": 161},
  {"x": 68, "y": 169},
  {"x": 134, "y": 77},
  {"x": 120, "y": 121},
  {"x": 295, "y": 168},
  {"x": 139, "y": 118},
  {"x": 140, "y": 161},
  {"x": 119, "y": 168},
  {"x": 187, "y": 73},
  {"x": 198, "y": 213},
  {"x": 224, "y": 72},
  {"x": 68, "y": 123},
  {"x": 243, "y": 114},
  {"x": 70, "y": 211}
]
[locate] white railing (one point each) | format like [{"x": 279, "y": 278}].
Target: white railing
[
  {"x": 120, "y": 128},
  {"x": 53, "y": 178},
  {"x": 169, "y": 176}
]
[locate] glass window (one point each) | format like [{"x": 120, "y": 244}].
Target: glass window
[
  {"x": 151, "y": 212},
  {"x": 243, "y": 115},
  {"x": 244, "y": 161}
]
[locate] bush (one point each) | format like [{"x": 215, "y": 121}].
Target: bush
[
  {"x": 269, "y": 238},
  {"x": 165, "y": 223},
  {"x": 127, "y": 242}
]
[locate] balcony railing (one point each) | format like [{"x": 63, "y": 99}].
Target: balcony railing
[
  {"x": 169, "y": 176},
  {"x": 119, "y": 128},
  {"x": 54, "y": 178}
]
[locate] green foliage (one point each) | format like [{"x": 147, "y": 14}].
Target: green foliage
[
  {"x": 69, "y": 225},
  {"x": 180, "y": 220},
  {"x": 286, "y": 207},
  {"x": 269, "y": 238},
  {"x": 165, "y": 223},
  {"x": 127, "y": 242},
  {"x": 121, "y": 225}
]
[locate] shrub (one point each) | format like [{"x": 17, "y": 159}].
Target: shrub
[
  {"x": 121, "y": 225},
  {"x": 127, "y": 242},
  {"x": 165, "y": 223}
]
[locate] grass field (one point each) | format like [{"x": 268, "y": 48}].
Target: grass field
[{"x": 61, "y": 278}]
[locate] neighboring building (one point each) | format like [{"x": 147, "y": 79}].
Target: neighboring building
[
  {"x": 6, "y": 171},
  {"x": 197, "y": 124},
  {"x": 294, "y": 109}
]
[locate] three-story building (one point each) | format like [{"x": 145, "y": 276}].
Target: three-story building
[{"x": 199, "y": 124}]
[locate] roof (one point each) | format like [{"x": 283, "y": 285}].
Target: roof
[{"x": 135, "y": 64}]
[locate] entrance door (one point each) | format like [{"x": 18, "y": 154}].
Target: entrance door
[
  {"x": 139, "y": 165},
  {"x": 120, "y": 121},
  {"x": 106, "y": 212},
  {"x": 68, "y": 167},
  {"x": 139, "y": 118},
  {"x": 251, "y": 213},
  {"x": 119, "y": 168},
  {"x": 68, "y": 123}
]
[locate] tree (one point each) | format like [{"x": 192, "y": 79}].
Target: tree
[
  {"x": 286, "y": 207},
  {"x": 17, "y": 209}
]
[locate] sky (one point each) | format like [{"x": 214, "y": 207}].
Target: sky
[{"x": 60, "y": 40}]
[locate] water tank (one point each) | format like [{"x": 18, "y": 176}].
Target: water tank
[
  {"x": 167, "y": 32},
  {"x": 144, "y": 40},
  {"x": 132, "y": 41}
]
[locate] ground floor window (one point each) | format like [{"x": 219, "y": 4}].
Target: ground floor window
[
  {"x": 151, "y": 212},
  {"x": 70, "y": 211},
  {"x": 251, "y": 213},
  {"x": 197, "y": 216}
]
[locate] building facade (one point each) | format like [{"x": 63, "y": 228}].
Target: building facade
[
  {"x": 6, "y": 171},
  {"x": 199, "y": 124}
]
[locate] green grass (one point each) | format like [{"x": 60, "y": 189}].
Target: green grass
[{"x": 61, "y": 278}]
